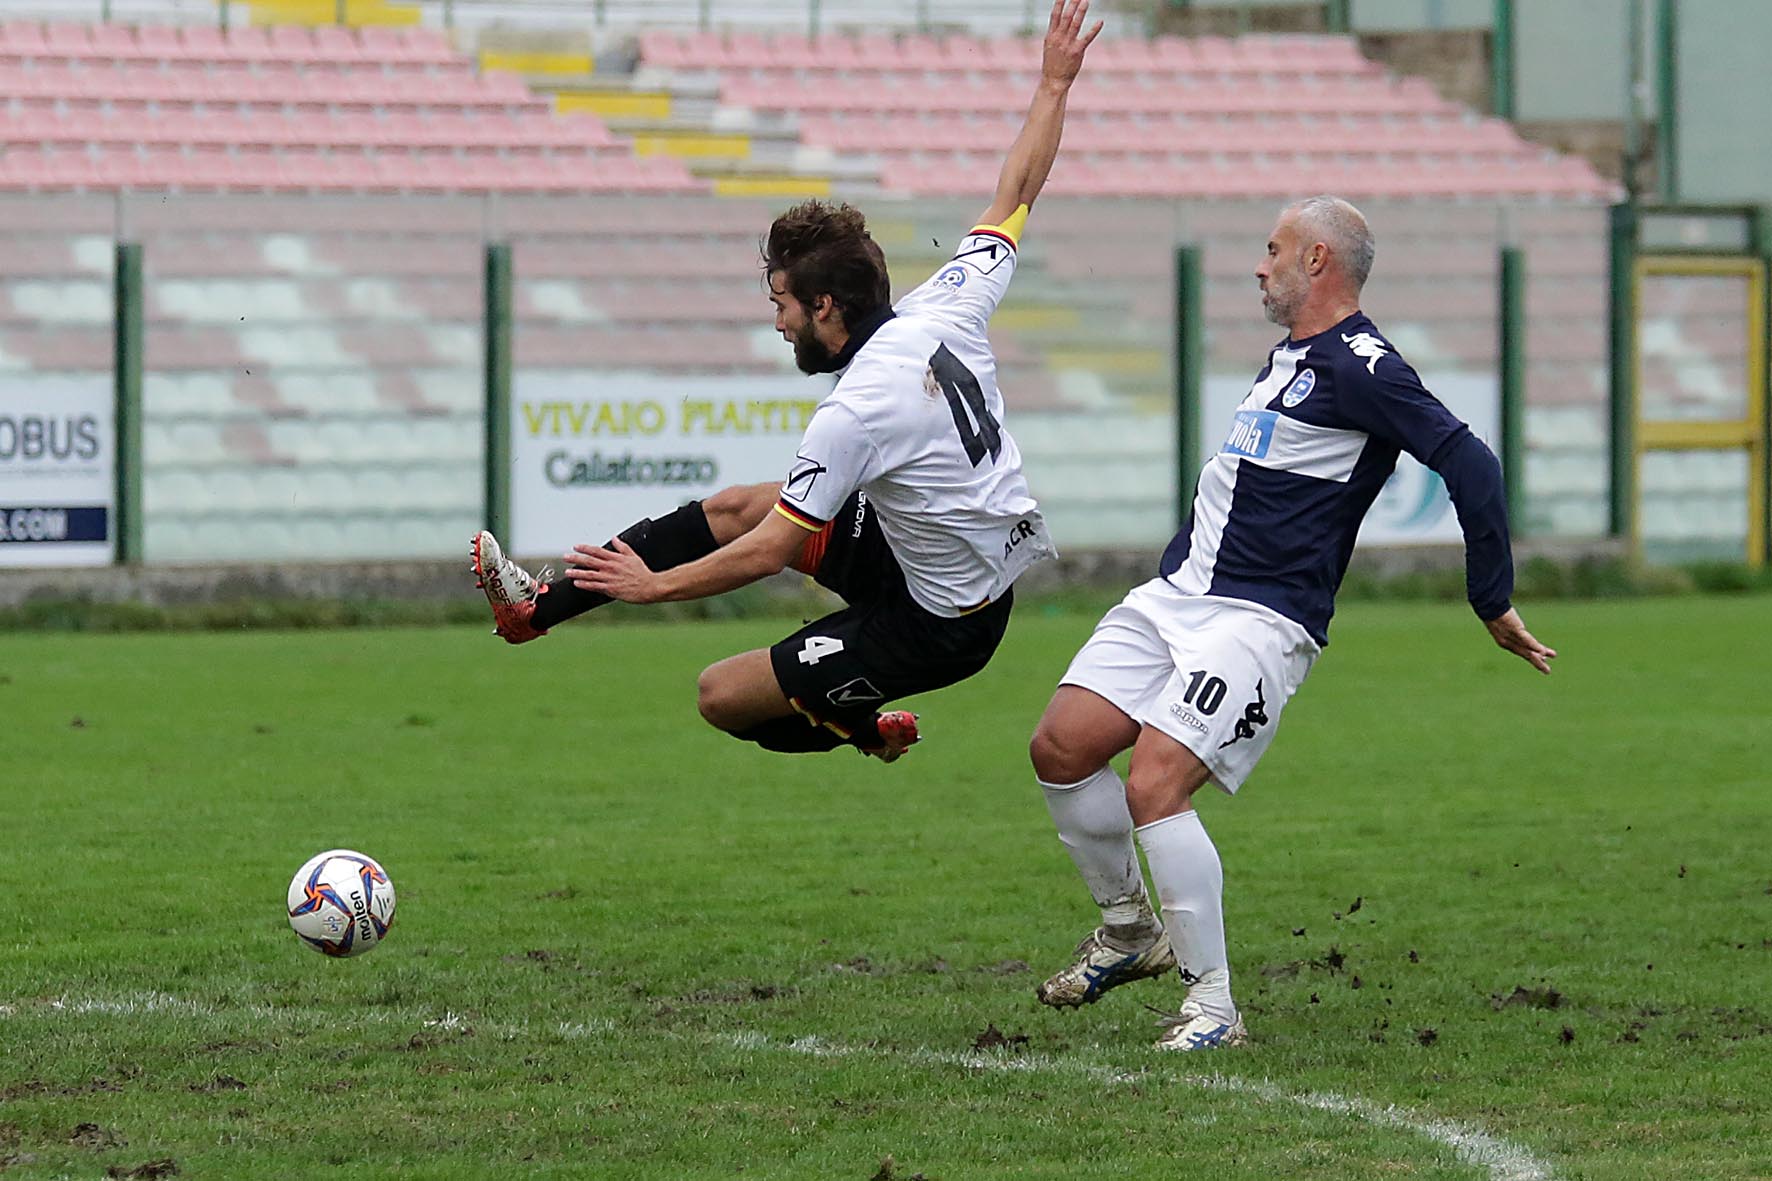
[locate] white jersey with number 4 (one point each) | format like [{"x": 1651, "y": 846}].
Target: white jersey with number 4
[{"x": 916, "y": 422}]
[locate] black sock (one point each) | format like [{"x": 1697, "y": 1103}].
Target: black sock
[
  {"x": 672, "y": 540},
  {"x": 795, "y": 735}
]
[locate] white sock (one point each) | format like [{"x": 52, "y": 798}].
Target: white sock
[
  {"x": 1190, "y": 890},
  {"x": 1096, "y": 827}
]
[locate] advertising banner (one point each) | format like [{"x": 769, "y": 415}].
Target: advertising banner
[
  {"x": 57, "y": 457},
  {"x": 593, "y": 453},
  {"x": 1413, "y": 508}
]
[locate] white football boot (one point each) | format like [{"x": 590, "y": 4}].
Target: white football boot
[
  {"x": 510, "y": 589},
  {"x": 1101, "y": 965},
  {"x": 1192, "y": 1029}
]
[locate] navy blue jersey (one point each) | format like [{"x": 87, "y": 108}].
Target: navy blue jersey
[{"x": 1277, "y": 510}]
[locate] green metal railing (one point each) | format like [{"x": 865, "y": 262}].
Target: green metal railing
[
  {"x": 1190, "y": 365},
  {"x": 498, "y": 388},
  {"x": 127, "y": 509},
  {"x": 1511, "y": 322}
]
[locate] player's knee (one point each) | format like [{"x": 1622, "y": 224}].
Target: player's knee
[
  {"x": 716, "y": 702},
  {"x": 1162, "y": 786},
  {"x": 1058, "y": 757}
]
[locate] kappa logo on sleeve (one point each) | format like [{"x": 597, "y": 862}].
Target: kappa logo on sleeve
[
  {"x": 1367, "y": 347},
  {"x": 805, "y": 473}
]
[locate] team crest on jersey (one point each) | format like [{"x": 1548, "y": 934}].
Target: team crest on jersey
[
  {"x": 1300, "y": 389},
  {"x": 953, "y": 278},
  {"x": 1367, "y": 347}
]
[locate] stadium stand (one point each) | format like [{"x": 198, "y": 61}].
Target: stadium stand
[
  {"x": 290, "y": 109},
  {"x": 314, "y": 286}
]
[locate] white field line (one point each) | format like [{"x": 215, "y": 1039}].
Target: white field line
[{"x": 1502, "y": 1160}]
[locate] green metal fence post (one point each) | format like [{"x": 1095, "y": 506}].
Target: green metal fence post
[
  {"x": 1190, "y": 351},
  {"x": 449, "y": 14},
  {"x": 1513, "y": 384},
  {"x": 339, "y": 13},
  {"x": 1622, "y": 350},
  {"x": 127, "y": 372},
  {"x": 1667, "y": 87},
  {"x": 1760, "y": 242},
  {"x": 224, "y": 15},
  {"x": 704, "y": 17},
  {"x": 1337, "y": 15},
  {"x": 812, "y": 19},
  {"x": 498, "y": 388},
  {"x": 1501, "y": 60}
]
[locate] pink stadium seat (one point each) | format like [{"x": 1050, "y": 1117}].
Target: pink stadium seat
[
  {"x": 428, "y": 45},
  {"x": 335, "y": 45},
  {"x": 67, "y": 39},
  {"x": 921, "y": 52},
  {"x": 292, "y": 43},
  {"x": 23, "y": 38},
  {"x": 663, "y": 48},
  {"x": 115, "y": 43},
  {"x": 746, "y": 51},
  {"x": 159, "y": 43}
]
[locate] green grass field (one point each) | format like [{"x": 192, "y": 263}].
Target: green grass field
[{"x": 1483, "y": 924}]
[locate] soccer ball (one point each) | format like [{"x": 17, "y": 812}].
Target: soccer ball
[{"x": 341, "y": 903}]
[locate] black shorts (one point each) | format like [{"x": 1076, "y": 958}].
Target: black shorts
[{"x": 839, "y": 670}]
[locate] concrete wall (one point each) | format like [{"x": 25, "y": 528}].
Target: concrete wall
[
  {"x": 1724, "y": 141},
  {"x": 1386, "y": 15}
]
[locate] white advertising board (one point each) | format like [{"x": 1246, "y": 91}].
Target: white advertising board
[
  {"x": 57, "y": 456},
  {"x": 1413, "y": 508},
  {"x": 594, "y": 452}
]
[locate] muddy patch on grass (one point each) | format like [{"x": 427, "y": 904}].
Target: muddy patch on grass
[
  {"x": 221, "y": 1082},
  {"x": 146, "y": 1171},
  {"x": 39, "y": 1087},
  {"x": 743, "y": 992},
  {"x": 1527, "y": 998},
  {"x": 995, "y": 1039},
  {"x": 96, "y": 1138}
]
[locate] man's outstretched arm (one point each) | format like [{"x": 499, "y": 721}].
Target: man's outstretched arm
[
  {"x": 1473, "y": 481},
  {"x": 621, "y": 574},
  {"x": 1030, "y": 157}
]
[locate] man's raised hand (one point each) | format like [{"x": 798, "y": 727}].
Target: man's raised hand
[{"x": 1066, "y": 41}]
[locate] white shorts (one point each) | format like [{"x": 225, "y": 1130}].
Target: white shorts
[{"x": 1212, "y": 673}]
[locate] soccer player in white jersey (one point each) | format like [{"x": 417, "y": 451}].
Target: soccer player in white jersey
[
  {"x": 906, "y": 496},
  {"x": 1192, "y": 669}
]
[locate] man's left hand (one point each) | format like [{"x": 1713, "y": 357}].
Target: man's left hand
[
  {"x": 1062, "y": 55},
  {"x": 1511, "y": 634},
  {"x": 619, "y": 572}
]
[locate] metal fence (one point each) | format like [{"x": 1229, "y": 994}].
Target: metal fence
[{"x": 314, "y": 378}]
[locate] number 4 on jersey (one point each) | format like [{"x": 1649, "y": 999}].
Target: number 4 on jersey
[
  {"x": 819, "y": 647},
  {"x": 963, "y": 394}
]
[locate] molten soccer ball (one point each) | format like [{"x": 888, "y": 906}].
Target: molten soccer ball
[{"x": 341, "y": 902}]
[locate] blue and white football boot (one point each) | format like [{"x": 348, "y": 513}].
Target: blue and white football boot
[
  {"x": 1194, "y": 1029},
  {"x": 1102, "y": 964}
]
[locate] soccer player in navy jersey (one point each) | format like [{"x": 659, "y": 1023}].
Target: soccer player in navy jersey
[{"x": 1192, "y": 669}]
